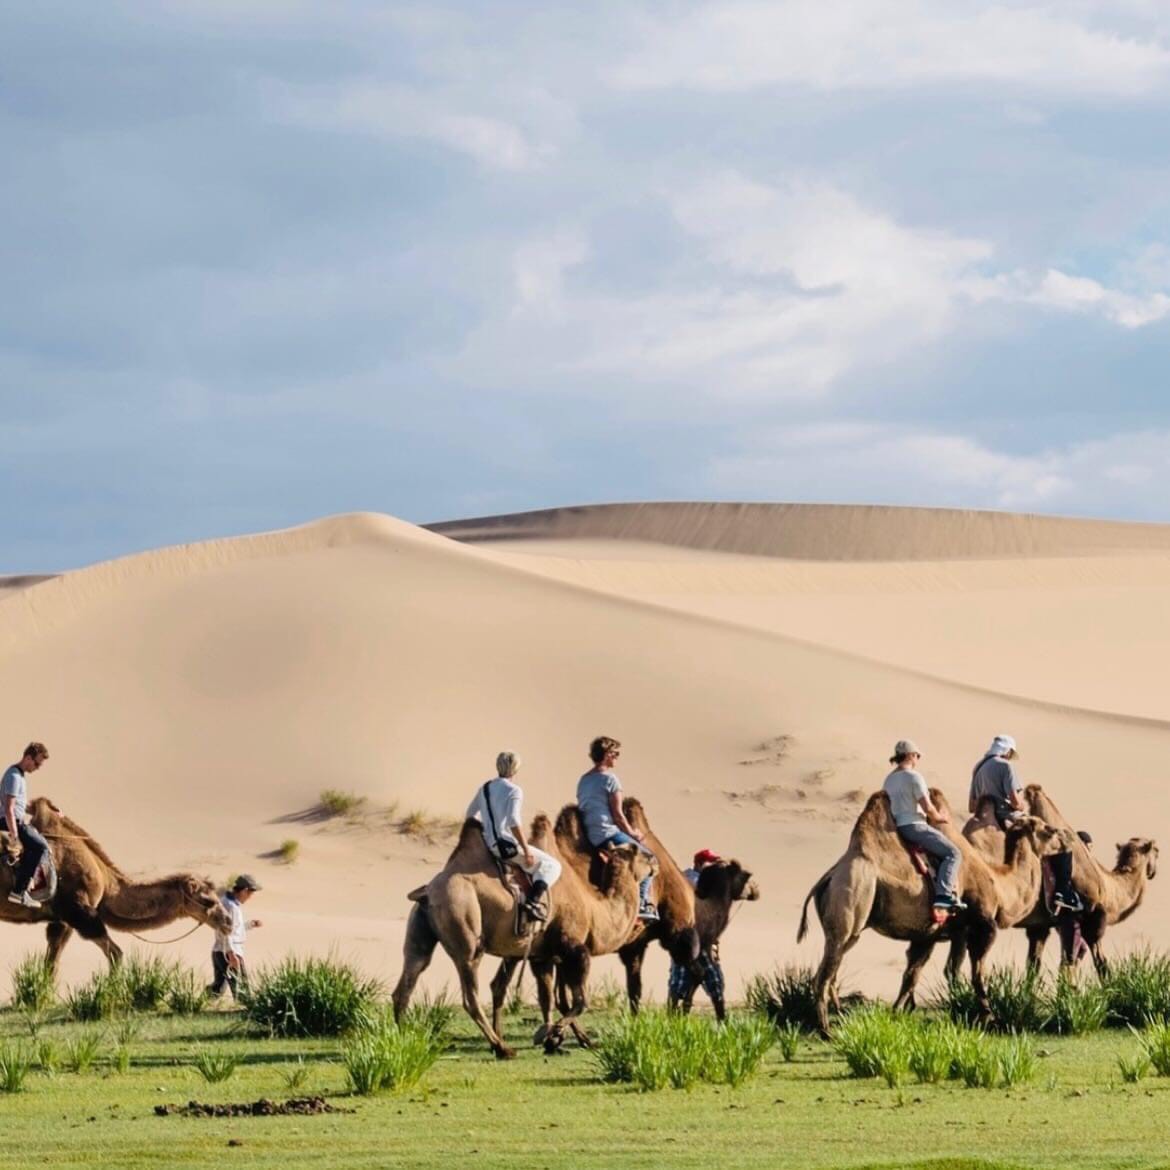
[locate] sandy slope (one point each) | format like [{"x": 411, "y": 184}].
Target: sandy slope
[{"x": 196, "y": 700}]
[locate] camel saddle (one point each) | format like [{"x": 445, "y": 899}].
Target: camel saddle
[{"x": 919, "y": 858}]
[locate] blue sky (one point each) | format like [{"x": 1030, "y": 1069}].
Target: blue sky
[{"x": 270, "y": 261}]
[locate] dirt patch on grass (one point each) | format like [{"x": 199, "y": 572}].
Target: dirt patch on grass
[{"x": 298, "y": 1106}]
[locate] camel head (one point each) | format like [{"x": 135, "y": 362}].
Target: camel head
[
  {"x": 739, "y": 883},
  {"x": 640, "y": 865},
  {"x": 201, "y": 902},
  {"x": 1046, "y": 839},
  {"x": 1131, "y": 853}
]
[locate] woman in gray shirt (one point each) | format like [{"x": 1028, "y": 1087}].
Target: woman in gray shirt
[{"x": 912, "y": 809}]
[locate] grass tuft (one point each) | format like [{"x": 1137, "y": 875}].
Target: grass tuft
[
  {"x": 15, "y": 1063},
  {"x": 335, "y": 803},
  {"x": 388, "y": 1057},
  {"x": 785, "y": 996},
  {"x": 311, "y": 997},
  {"x": 216, "y": 1065},
  {"x": 33, "y": 988},
  {"x": 289, "y": 850}
]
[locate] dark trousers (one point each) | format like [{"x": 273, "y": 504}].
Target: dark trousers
[
  {"x": 35, "y": 848},
  {"x": 225, "y": 979}
]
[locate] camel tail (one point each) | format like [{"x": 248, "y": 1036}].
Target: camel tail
[{"x": 815, "y": 892}]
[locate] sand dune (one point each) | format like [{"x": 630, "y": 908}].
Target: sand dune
[{"x": 198, "y": 699}]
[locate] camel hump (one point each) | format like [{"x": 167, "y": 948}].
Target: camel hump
[
  {"x": 873, "y": 824},
  {"x": 570, "y": 828},
  {"x": 635, "y": 813},
  {"x": 418, "y": 894}
]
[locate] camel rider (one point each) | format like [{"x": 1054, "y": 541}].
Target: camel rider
[
  {"x": 497, "y": 809},
  {"x": 599, "y": 797},
  {"x": 14, "y": 805},
  {"x": 913, "y": 812},
  {"x": 994, "y": 777}
]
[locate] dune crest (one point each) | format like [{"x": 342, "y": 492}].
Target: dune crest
[{"x": 820, "y": 532}]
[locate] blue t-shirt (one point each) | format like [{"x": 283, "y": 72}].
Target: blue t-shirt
[
  {"x": 14, "y": 784},
  {"x": 593, "y": 793}
]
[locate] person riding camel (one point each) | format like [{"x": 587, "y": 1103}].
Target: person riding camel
[
  {"x": 915, "y": 817},
  {"x": 496, "y": 807},
  {"x": 599, "y": 797},
  {"x": 14, "y": 806},
  {"x": 994, "y": 777}
]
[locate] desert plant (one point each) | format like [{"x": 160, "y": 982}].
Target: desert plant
[
  {"x": 15, "y": 1063},
  {"x": 296, "y": 1075},
  {"x": 48, "y": 1056},
  {"x": 736, "y": 1049},
  {"x": 147, "y": 982},
  {"x": 1133, "y": 1069},
  {"x": 1075, "y": 1007},
  {"x": 120, "y": 1061},
  {"x": 215, "y": 1065},
  {"x": 336, "y": 803},
  {"x": 1016, "y": 1060},
  {"x": 385, "y": 1056},
  {"x": 933, "y": 1048},
  {"x": 81, "y": 1050},
  {"x": 434, "y": 1014},
  {"x": 104, "y": 996},
  {"x": 311, "y": 997},
  {"x": 1018, "y": 1000},
  {"x": 788, "y": 1040},
  {"x": 867, "y": 1038},
  {"x": 1155, "y": 1042},
  {"x": 1138, "y": 988},
  {"x": 33, "y": 987},
  {"x": 288, "y": 850},
  {"x": 188, "y": 995},
  {"x": 785, "y": 996}
]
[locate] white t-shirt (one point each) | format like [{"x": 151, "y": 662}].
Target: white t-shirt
[
  {"x": 506, "y": 799},
  {"x": 906, "y": 788},
  {"x": 232, "y": 943}
]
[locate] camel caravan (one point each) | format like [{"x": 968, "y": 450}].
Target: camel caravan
[{"x": 1016, "y": 863}]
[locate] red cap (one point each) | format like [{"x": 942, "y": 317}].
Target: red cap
[{"x": 706, "y": 857}]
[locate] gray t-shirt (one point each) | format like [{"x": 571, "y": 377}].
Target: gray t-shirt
[
  {"x": 593, "y": 793},
  {"x": 906, "y": 788},
  {"x": 995, "y": 777},
  {"x": 14, "y": 784}
]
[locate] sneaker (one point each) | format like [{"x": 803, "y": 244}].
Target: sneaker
[
  {"x": 24, "y": 899},
  {"x": 536, "y": 910},
  {"x": 648, "y": 912},
  {"x": 949, "y": 905},
  {"x": 1075, "y": 906}
]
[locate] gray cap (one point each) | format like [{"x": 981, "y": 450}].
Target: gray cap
[
  {"x": 246, "y": 882},
  {"x": 905, "y": 747}
]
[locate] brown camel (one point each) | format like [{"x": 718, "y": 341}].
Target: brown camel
[
  {"x": 875, "y": 884},
  {"x": 94, "y": 895},
  {"x": 1110, "y": 895},
  {"x": 468, "y": 910},
  {"x": 720, "y": 886}
]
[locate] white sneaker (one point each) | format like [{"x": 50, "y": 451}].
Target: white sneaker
[{"x": 25, "y": 899}]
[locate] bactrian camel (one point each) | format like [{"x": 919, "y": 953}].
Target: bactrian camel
[
  {"x": 94, "y": 896},
  {"x": 720, "y": 886},
  {"x": 467, "y": 908},
  {"x": 875, "y": 884}
]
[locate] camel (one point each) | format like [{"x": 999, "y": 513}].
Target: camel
[
  {"x": 94, "y": 895},
  {"x": 875, "y": 884},
  {"x": 467, "y": 908},
  {"x": 1110, "y": 896},
  {"x": 720, "y": 885}
]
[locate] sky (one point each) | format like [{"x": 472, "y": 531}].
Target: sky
[{"x": 268, "y": 262}]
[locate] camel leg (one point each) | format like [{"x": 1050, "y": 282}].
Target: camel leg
[
  {"x": 417, "y": 950},
  {"x": 500, "y": 991},
  {"x": 87, "y": 924},
  {"x": 917, "y": 954},
  {"x": 955, "y": 954},
  {"x": 1093, "y": 931},
  {"x": 57, "y": 934},
  {"x": 631, "y": 957},
  {"x": 825, "y": 982},
  {"x": 980, "y": 935},
  {"x": 468, "y": 968},
  {"x": 544, "y": 975},
  {"x": 1037, "y": 939},
  {"x": 575, "y": 974}
]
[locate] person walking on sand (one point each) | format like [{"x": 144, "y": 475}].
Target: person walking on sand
[
  {"x": 497, "y": 807},
  {"x": 994, "y": 776},
  {"x": 230, "y": 973},
  {"x": 599, "y": 797},
  {"x": 14, "y": 805},
  {"x": 915, "y": 817}
]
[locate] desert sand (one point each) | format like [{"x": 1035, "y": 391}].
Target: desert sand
[{"x": 757, "y": 661}]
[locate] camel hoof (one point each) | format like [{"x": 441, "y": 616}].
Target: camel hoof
[
  {"x": 505, "y": 1053},
  {"x": 553, "y": 1041},
  {"x": 540, "y": 1035}
]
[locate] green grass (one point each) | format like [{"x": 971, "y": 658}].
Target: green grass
[
  {"x": 808, "y": 1112},
  {"x": 311, "y": 997},
  {"x": 289, "y": 850},
  {"x": 336, "y": 803}
]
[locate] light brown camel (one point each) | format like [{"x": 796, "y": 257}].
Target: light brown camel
[
  {"x": 1110, "y": 895},
  {"x": 720, "y": 886},
  {"x": 468, "y": 910},
  {"x": 875, "y": 884},
  {"x": 94, "y": 895}
]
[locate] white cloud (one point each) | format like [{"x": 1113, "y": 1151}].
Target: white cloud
[
  {"x": 890, "y": 44},
  {"x": 1076, "y": 294},
  {"x": 880, "y": 463}
]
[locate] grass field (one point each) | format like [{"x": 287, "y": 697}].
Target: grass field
[{"x": 551, "y": 1112}]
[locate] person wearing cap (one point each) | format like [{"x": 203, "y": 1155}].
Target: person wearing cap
[
  {"x": 497, "y": 807},
  {"x": 915, "y": 816},
  {"x": 14, "y": 813},
  {"x": 995, "y": 777},
  {"x": 681, "y": 978},
  {"x": 227, "y": 954}
]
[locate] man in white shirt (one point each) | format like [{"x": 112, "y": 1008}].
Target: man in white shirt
[
  {"x": 497, "y": 807},
  {"x": 14, "y": 810},
  {"x": 227, "y": 955}
]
